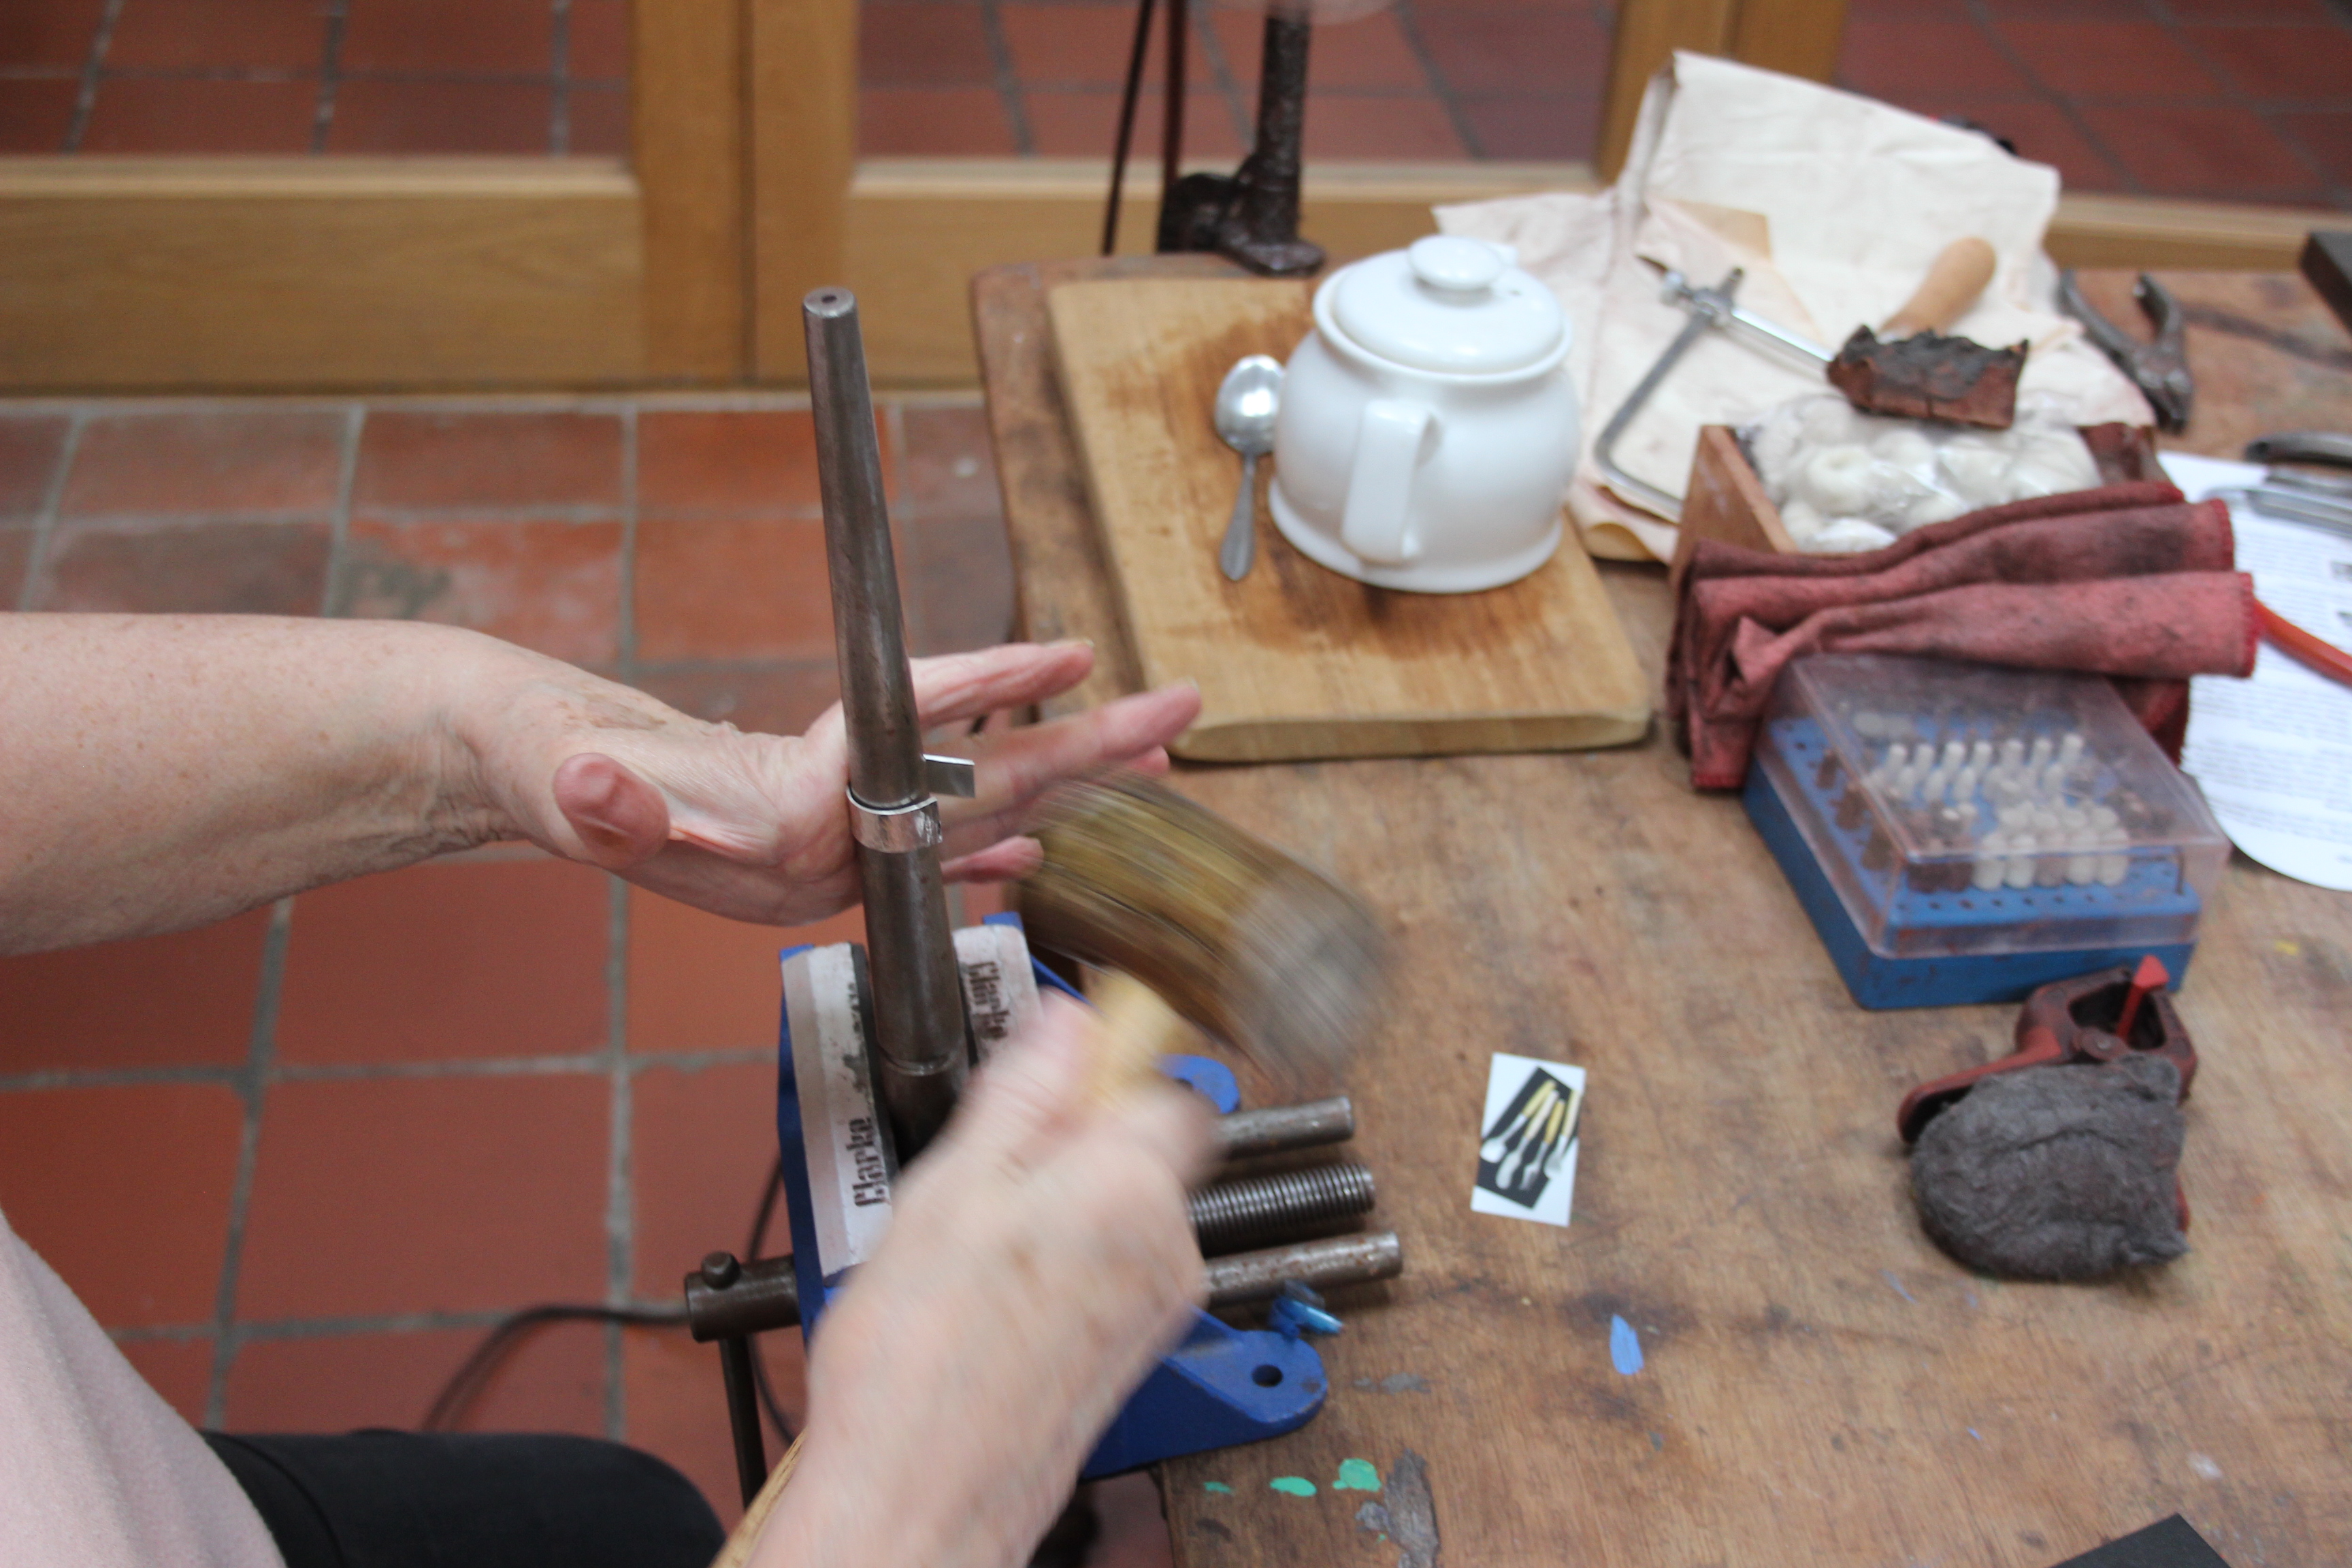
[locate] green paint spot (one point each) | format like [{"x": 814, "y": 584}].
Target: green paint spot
[
  {"x": 1217, "y": 1487},
  {"x": 1296, "y": 1486},
  {"x": 1357, "y": 1475}
]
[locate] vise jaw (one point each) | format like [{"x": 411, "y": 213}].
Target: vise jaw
[{"x": 1219, "y": 1387}]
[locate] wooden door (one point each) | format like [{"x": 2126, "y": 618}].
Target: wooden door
[{"x": 282, "y": 273}]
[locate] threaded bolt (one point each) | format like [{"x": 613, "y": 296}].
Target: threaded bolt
[{"x": 1232, "y": 1215}]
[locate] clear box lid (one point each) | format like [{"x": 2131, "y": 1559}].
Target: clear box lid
[{"x": 1963, "y": 808}]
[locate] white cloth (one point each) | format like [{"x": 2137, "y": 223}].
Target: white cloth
[
  {"x": 1835, "y": 205},
  {"x": 96, "y": 1471}
]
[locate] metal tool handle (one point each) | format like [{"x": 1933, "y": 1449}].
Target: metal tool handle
[
  {"x": 920, "y": 1043},
  {"x": 1240, "y": 545},
  {"x": 2300, "y": 446}
]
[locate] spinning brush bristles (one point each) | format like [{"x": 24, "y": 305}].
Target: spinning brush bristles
[{"x": 1236, "y": 936}]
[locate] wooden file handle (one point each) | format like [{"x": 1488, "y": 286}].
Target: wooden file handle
[
  {"x": 1953, "y": 282},
  {"x": 1137, "y": 1028},
  {"x": 746, "y": 1534}
]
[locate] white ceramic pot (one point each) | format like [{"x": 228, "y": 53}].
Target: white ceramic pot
[{"x": 1428, "y": 428}]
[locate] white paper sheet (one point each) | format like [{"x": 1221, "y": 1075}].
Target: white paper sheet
[
  {"x": 1834, "y": 205},
  {"x": 1547, "y": 1198},
  {"x": 2274, "y": 752}
]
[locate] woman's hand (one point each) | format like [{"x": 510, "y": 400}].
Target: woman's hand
[
  {"x": 1039, "y": 1259},
  {"x": 753, "y": 826}
]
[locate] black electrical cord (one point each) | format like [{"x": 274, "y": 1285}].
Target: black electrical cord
[
  {"x": 464, "y": 1384},
  {"x": 768, "y": 1401}
]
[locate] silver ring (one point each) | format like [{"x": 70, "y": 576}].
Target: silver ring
[{"x": 897, "y": 829}]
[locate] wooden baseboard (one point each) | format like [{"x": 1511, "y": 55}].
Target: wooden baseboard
[
  {"x": 278, "y": 274},
  {"x": 2153, "y": 232},
  {"x": 152, "y": 274}
]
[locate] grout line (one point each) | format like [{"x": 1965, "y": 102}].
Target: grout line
[
  {"x": 620, "y": 1211},
  {"x": 45, "y": 525},
  {"x": 1241, "y": 104},
  {"x": 330, "y": 73},
  {"x": 1981, "y": 15},
  {"x": 85, "y": 101},
  {"x": 1008, "y": 80},
  {"x": 337, "y": 600},
  {"x": 682, "y": 400},
  {"x": 1409, "y": 24},
  {"x": 43, "y": 1078},
  {"x": 620, "y": 1214},
  {"x": 251, "y": 1087},
  {"x": 323, "y": 1328},
  {"x": 192, "y": 73},
  {"x": 486, "y": 1067},
  {"x": 551, "y": 512},
  {"x": 2262, "y": 110},
  {"x": 48, "y": 1078},
  {"x": 202, "y": 519},
  {"x": 559, "y": 60}
]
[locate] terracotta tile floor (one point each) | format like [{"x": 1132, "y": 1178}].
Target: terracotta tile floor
[
  {"x": 297, "y": 1162},
  {"x": 2234, "y": 100},
  {"x": 314, "y": 76}
]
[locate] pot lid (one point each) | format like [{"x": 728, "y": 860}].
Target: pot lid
[{"x": 1450, "y": 304}]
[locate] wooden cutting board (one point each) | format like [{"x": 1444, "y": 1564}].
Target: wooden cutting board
[{"x": 1297, "y": 662}]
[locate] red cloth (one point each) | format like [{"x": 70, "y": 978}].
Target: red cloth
[{"x": 2128, "y": 581}]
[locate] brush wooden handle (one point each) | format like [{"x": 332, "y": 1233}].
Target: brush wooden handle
[
  {"x": 746, "y": 1534},
  {"x": 1954, "y": 280},
  {"x": 1135, "y": 1030}
]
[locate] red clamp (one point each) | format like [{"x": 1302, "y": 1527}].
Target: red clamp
[{"x": 2098, "y": 1019}]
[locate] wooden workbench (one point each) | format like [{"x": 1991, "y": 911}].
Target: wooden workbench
[{"x": 1820, "y": 1386}]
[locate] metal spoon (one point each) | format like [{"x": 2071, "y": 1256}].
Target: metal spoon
[{"x": 1245, "y": 419}]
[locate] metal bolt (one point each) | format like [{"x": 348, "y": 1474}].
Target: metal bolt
[
  {"x": 1282, "y": 1128},
  {"x": 719, "y": 1270},
  {"x": 1234, "y": 1213},
  {"x": 1333, "y": 1261}
]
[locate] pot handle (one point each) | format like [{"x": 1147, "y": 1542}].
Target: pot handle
[{"x": 1379, "y": 485}]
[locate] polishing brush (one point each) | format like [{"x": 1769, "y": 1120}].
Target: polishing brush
[{"x": 1237, "y": 937}]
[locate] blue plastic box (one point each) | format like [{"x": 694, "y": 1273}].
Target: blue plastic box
[{"x": 1963, "y": 834}]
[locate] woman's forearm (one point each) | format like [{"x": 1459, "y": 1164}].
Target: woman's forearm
[{"x": 159, "y": 772}]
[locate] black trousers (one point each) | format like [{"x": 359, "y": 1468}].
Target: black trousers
[{"x": 409, "y": 1499}]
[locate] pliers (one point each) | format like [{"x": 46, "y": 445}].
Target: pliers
[{"x": 2160, "y": 368}]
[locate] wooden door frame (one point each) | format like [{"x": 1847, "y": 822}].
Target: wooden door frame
[{"x": 308, "y": 274}]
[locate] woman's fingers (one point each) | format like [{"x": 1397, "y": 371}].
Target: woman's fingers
[
  {"x": 957, "y": 686},
  {"x": 1174, "y": 1124},
  {"x": 1006, "y": 860},
  {"x": 1025, "y": 764},
  {"x": 964, "y": 686},
  {"x": 1029, "y": 1089}
]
